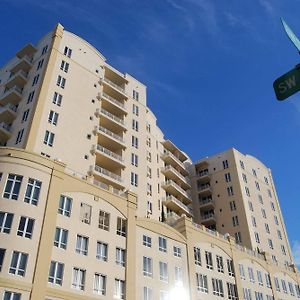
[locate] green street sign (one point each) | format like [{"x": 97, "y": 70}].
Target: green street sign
[{"x": 287, "y": 85}]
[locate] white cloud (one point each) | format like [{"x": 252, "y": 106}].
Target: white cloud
[{"x": 296, "y": 251}]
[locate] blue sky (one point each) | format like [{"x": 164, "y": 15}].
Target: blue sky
[{"x": 209, "y": 66}]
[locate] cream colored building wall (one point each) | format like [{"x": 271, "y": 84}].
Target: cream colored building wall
[{"x": 287, "y": 279}]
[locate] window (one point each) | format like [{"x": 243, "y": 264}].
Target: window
[
  {"x": 284, "y": 287},
  {"x": 177, "y": 251},
  {"x": 135, "y": 125},
  {"x": 225, "y": 164},
  {"x": 254, "y": 173},
  {"x": 257, "y": 237},
  {"x": 33, "y": 191},
  {"x": 135, "y": 95},
  {"x": 217, "y": 287},
  {"x": 242, "y": 165},
  {"x": 121, "y": 226},
  {"x": 270, "y": 243},
  {"x": 247, "y": 294},
  {"x": 120, "y": 257},
  {"x": 297, "y": 288},
  {"x": 283, "y": 250},
  {"x": 162, "y": 244},
  {"x": 272, "y": 205},
  {"x": 163, "y": 295},
  {"x": 35, "y": 80},
  {"x": 5, "y": 222},
  {"x": 65, "y": 206},
  {"x": 270, "y": 297},
  {"x": 279, "y": 234},
  {"x": 18, "y": 263},
  {"x": 134, "y": 159},
  {"x": 40, "y": 64},
  {"x": 163, "y": 271},
  {"x": 178, "y": 277},
  {"x": 45, "y": 49},
  {"x": 268, "y": 280},
  {"x": 99, "y": 286},
  {"x": 277, "y": 284},
  {"x": 148, "y": 141},
  {"x": 11, "y": 296},
  {"x": 64, "y": 66},
  {"x": 78, "y": 279},
  {"x": 149, "y": 189},
  {"x": 250, "y": 205},
  {"x": 227, "y": 177},
  {"x": 149, "y": 158},
  {"x": 201, "y": 281},
  {"x": 263, "y": 212},
  {"x": 147, "y": 266},
  {"x": 147, "y": 293},
  {"x": 56, "y": 272},
  {"x": 85, "y": 213},
  {"x": 259, "y": 296},
  {"x": 232, "y": 291},
  {"x": 197, "y": 256},
  {"x": 148, "y": 127},
  {"x": 266, "y": 180},
  {"x": 25, "y": 115},
  {"x": 209, "y": 261},
  {"x": 259, "y": 278},
  {"x": 81, "y": 244},
  {"x": 30, "y": 97},
  {"x": 101, "y": 252},
  {"x": 149, "y": 172},
  {"x": 104, "y": 220},
  {"x": 135, "y": 109},
  {"x": 68, "y": 51},
  {"x": 257, "y": 185},
  {"x": 251, "y": 274},
  {"x": 19, "y": 136},
  {"x": 61, "y": 81},
  {"x": 242, "y": 272},
  {"x": 53, "y": 117},
  {"x": 230, "y": 191},
  {"x": 260, "y": 199},
  {"x": 267, "y": 228},
  {"x": 61, "y": 238},
  {"x": 134, "y": 142},
  {"x": 119, "y": 289},
  {"x": 57, "y": 99},
  {"x": 230, "y": 267},
  {"x": 235, "y": 221},
  {"x": 49, "y": 138},
  {"x": 247, "y": 191},
  {"x": 147, "y": 241},
  {"x": 276, "y": 220},
  {"x": 253, "y": 221},
  {"x": 232, "y": 205},
  {"x": 269, "y": 193},
  {"x": 12, "y": 187},
  {"x": 220, "y": 265},
  {"x": 2, "y": 255},
  {"x": 238, "y": 237},
  {"x": 134, "y": 179},
  {"x": 25, "y": 227}
]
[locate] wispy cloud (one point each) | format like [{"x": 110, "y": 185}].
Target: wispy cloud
[{"x": 268, "y": 7}]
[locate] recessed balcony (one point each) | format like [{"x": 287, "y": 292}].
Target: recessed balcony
[
  {"x": 109, "y": 120},
  {"x": 107, "y": 157},
  {"x": 109, "y": 101},
  {"x": 170, "y": 159},
  {"x": 173, "y": 188},
  {"x": 17, "y": 79},
  {"x": 112, "y": 85},
  {"x": 207, "y": 203},
  {"x": 24, "y": 63},
  {"x": 176, "y": 205},
  {"x": 5, "y": 132},
  {"x": 12, "y": 95},
  {"x": 203, "y": 175},
  {"x": 171, "y": 217},
  {"x": 109, "y": 139},
  {"x": 8, "y": 113},
  {"x": 171, "y": 173},
  {"x": 204, "y": 189},
  {"x": 28, "y": 50},
  {"x": 208, "y": 219}
]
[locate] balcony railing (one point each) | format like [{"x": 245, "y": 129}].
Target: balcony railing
[
  {"x": 206, "y": 201},
  {"x": 168, "y": 153},
  {"x": 203, "y": 187},
  {"x": 113, "y": 100},
  {"x": 119, "y": 88},
  {"x": 186, "y": 180},
  {"x": 111, "y": 134},
  {"x": 108, "y": 173},
  {"x": 171, "y": 182},
  {"x": 208, "y": 216},
  {"x": 20, "y": 72},
  {"x": 179, "y": 203},
  {"x": 109, "y": 153},
  {"x": 202, "y": 173},
  {"x": 5, "y": 126},
  {"x": 9, "y": 106},
  {"x": 112, "y": 116},
  {"x": 14, "y": 88}
]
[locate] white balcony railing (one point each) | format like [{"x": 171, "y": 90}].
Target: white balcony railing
[
  {"x": 108, "y": 173},
  {"x": 14, "y": 88},
  {"x": 111, "y": 134},
  {"x": 116, "y": 86},
  {"x": 9, "y": 106},
  {"x": 171, "y": 182},
  {"x": 168, "y": 153},
  {"x": 20, "y": 72},
  {"x": 179, "y": 203},
  {"x": 112, "y": 116},
  {"x": 207, "y": 216},
  {"x": 186, "y": 180},
  {"x": 109, "y": 153},
  {"x": 5, "y": 126},
  {"x": 113, "y": 100}
]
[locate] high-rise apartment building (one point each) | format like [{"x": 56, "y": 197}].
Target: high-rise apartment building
[{"x": 96, "y": 203}]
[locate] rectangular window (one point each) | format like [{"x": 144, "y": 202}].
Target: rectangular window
[
  {"x": 244, "y": 178},
  {"x": 120, "y": 257},
  {"x": 35, "y": 80},
  {"x": 147, "y": 266},
  {"x": 104, "y": 220},
  {"x": 11, "y": 296},
  {"x": 12, "y": 187},
  {"x": 5, "y": 222},
  {"x": 40, "y": 64},
  {"x": 247, "y": 294},
  {"x": 201, "y": 281},
  {"x": 18, "y": 263},
  {"x": 230, "y": 267},
  {"x": 102, "y": 250},
  {"x": 276, "y": 220},
  {"x": 56, "y": 272},
  {"x": 259, "y": 278},
  {"x": 135, "y": 109},
  {"x": 57, "y": 99},
  {"x": 61, "y": 81},
  {"x": 225, "y": 164},
  {"x": 121, "y": 226},
  {"x": 30, "y": 97},
  {"x": 268, "y": 280},
  {"x": 25, "y": 227},
  {"x": 99, "y": 286},
  {"x": 230, "y": 191},
  {"x": 135, "y": 125},
  {"x": 267, "y": 228},
  {"x": 49, "y": 138},
  {"x": 147, "y": 241},
  {"x": 178, "y": 277},
  {"x": 247, "y": 191},
  {"x": 134, "y": 159},
  {"x": 217, "y": 287},
  {"x": 163, "y": 271},
  {"x": 65, "y": 206},
  {"x": 53, "y": 117},
  {"x": 284, "y": 287},
  {"x": 209, "y": 260},
  {"x": 259, "y": 296},
  {"x": 61, "y": 238},
  {"x": 25, "y": 115},
  {"x": 269, "y": 193},
  {"x": 277, "y": 286},
  {"x": 227, "y": 177},
  {"x": 263, "y": 212},
  {"x": 19, "y": 136},
  {"x": 220, "y": 265},
  {"x": 2, "y": 255},
  {"x": 197, "y": 256},
  {"x": 64, "y": 66},
  {"x": 253, "y": 221},
  {"x": 68, "y": 51},
  {"x": 232, "y": 291},
  {"x": 82, "y": 244},
  {"x": 260, "y": 199},
  {"x": 270, "y": 243},
  {"x": 135, "y": 95},
  {"x": 242, "y": 272},
  {"x": 78, "y": 279},
  {"x": 119, "y": 292},
  {"x": 238, "y": 237},
  {"x": 45, "y": 49},
  {"x": 134, "y": 179},
  {"x": 257, "y": 185},
  {"x": 232, "y": 205},
  {"x": 85, "y": 213},
  {"x": 135, "y": 142},
  {"x": 147, "y": 293},
  {"x": 250, "y": 205},
  {"x": 163, "y": 295},
  {"x": 162, "y": 244},
  {"x": 257, "y": 237},
  {"x": 251, "y": 274},
  {"x": 177, "y": 251},
  {"x": 33, "y": 191},
  {"x": 235, "y": 221}
]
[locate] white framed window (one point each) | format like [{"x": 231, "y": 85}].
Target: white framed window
[
  {"x": 162, "y": 244},
  {"x": 230, "y": 191},
  {"x": 104, "y": 218},
  {"x": 220, "y": 264},
  {"x": 5, "y": 221},
  {"x": 119, "y": 292},
  {"x": 102, "y": 250},
  {"x": 19, "y": 136},
  {"x": 64, "y": 66},
  {"x": 25, "y": 227},
  {"x": 56, "y": 272},
  {"x": 251, "y": 275},
  {"x": 258, "y": 295},
  {"x": 35, "y": 79},
  {"x": 147, "y": 293},
  {"x": 53, "y": 117},
  {"x": 147, "y": 241},
  {"x": 232, "y": 205},
  {"x": 163, "y": 271},
  {"x": 57, "y": 99},
  {"x": 68, "y": 52},
  {"x": 284, "y": 287},
  {"x": 177, "y": 251},
  {"x": 268, "y": 280},
  {"x": 18, "y": 263},
  {"x": 225, "y": 164},
  {"x": 238, "y": 237},
  {"x": 147, "y": 266},
  {"x": 99, "y": 286},
  {"x": 135, "y": 125},
  {"x": 61, "y": 81},
  {"x": 135, "y": 109},
  {"x": 197, "y": 256},
  {"x": 61, "y": 238},
  {"x": 227, "y": 177},
  {"x": 65, "y": 206},
  {"x": 12, "y": 187},
  {"x": 82, "y": 244},
  {"x": 135, "y": 142},
  {"x": 134, "y": 179},
  {"x": 178, "y": 276},
  {"x": 247, "y": 294},
  {"x": 49, "y": 138},
  {"x": 30, "y": 97},
  {"x": 217, "y": 287},
  {"x": 135, "y": 95},
  {"x": 235, "y": 221},
  {"x": 78, "y": 279},
  {"x": 85, "y": 213},
  {"x": 134, "y": 159},
  {"x": 201, "y": 281},
  {"x": 242, "y": 272},
  {"x": 230, "y": 267},
  {"x": 33, "y": 190},
  {"x": 121, "y": 226},
  {"x": 8, "y": 295},
  {"x": 209, "y": 260},
  {"x": 259, "y": 278},
  {"x": 277, "y": 285},
  {"x": 120, "y": 257},
  {"x": 232, "y": 291}
]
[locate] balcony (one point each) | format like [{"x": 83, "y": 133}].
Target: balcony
[
  {"x": 28, "y": 50},
  {"x": 207, "y": 203},
  {"x": 175, "y": 175},
  {"x": 203, "y": 175},
  {"x": 117, "y": 88},
  {"x": 171, "y": 218},
  {"x": 24, "y": 63},
  {"x": 5, "y": 132},
  {"x": 173, "y": 188},
  {"x": 107, "y": 157},
  {"x": 107, "y": 176},
  {"x": 17, "y": 79},
  {"x": 8, "y": 113},
  {"x": 170, "y": 159},
  {"x": 107, "y": 100},
  {"x": 204, "y": 189},
  {"x": 176, "y": 205},
  {"x": 12, "y": 95},
  {"x": 208, "y": 219},
  {"x": 109, "y": 120},
  {"x": 110, "y": 139}
]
